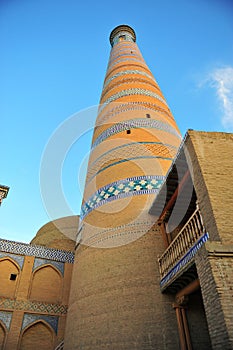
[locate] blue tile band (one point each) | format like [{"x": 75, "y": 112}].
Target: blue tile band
[
  {"x": 135, "y": 124},
  {"x": 120, "y": 189}
]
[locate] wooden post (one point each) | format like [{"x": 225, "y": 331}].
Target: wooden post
[
  {"x": 164, "y": 234},
  {"x": 180, "y": 327},
  {"x": 186, "y": 329}
]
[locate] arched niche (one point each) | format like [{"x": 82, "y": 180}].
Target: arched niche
[
  {"x": 9, "y": 276},
  {"x": 37, "y": 336},
  {"x": 46, "y": 284}
]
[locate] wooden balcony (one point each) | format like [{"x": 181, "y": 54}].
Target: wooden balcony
[{"x": 181, "y": 251}]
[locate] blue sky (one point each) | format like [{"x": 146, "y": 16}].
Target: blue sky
[{"x": 52, "y": 65}]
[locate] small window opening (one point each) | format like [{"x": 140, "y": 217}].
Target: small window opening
[
  {"x": 148, "y": 115},
  {"x": 128, "y": 131},
  {"x": 131, "y": 51},
  {"x": 13, "y": 277},
  {"x": 122, "y": 37}
]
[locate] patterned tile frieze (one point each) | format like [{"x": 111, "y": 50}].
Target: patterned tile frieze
[
  {"x": 135, "y": 124},
  {"x": 19, "y": 259},
  {"x": 124, "y": 44},
  {"x": 128, "y": 160},
  {"x": 140, "y": 106},
  {"x": 31, "y": 318},
  {"x": 125, "y": 53},
  {"x": 125, "y": 60},
  {"x": 123, "y": 188},
  {"x": 100, "y": 235},
  {"x": 36, "y": 250},
  {"x": 33, "y": 306},
  {"x": 57, "y": 264},
  {"x": 5, "y": 318},
  {"x": 127, "y": 72},
  {"x": 188, "y": 257},
  {"x": 130, "y": 92},
  {"x": 130, "y": 80},
  {"x": 129, "y": 50},
  {"x": 126, "y": 151},
  {"x": 127, "y": 36}
]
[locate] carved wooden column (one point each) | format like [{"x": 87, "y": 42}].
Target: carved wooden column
[{"x": 180, "y": 307}]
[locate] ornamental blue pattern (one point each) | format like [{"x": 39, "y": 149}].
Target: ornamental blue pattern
[
  {"x": 36, "y": 250},
  {"x": 133, "y": 124},
  {"x": 127, "y": 36},
  {"x": 126, "y": 59},
  {"x": 30, "y": 318},
  {"x": 57, "y": 264},
  {"x": 17, "y": 258},
  {"x": 120, "y": 189},
  {"x": 126, "y": 72},
  {"x": 5, "y": 317},
  {"x": 132, "y": 106},
  {"x": 129, "y": 92}
]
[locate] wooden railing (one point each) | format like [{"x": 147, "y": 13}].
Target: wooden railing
[
  {"x": 60, "y": 346},
  {"x": 192, "y": 231}
]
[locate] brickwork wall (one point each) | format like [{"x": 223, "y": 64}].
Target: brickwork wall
[
  {"x": 115, "y": 300},
  {"x": 212, "y": 167}
]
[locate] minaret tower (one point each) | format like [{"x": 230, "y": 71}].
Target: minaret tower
[{"x": 134, "y": 142}]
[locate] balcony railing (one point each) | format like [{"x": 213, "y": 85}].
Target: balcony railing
[{"x": 184, "y": 246}]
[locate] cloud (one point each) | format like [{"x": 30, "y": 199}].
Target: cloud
[{"x": 221, "y": 79}]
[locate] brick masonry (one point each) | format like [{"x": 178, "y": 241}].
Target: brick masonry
[{"x": 212, "y": 167}]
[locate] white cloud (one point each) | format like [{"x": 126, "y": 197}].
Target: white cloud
[{"x": 221, "y": 79}]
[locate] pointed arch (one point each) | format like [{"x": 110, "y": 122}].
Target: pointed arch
[
  {"x": 9, "y": 277},
  {"x": 38, "y": 335},
  {"x": 46, "y": 284}
]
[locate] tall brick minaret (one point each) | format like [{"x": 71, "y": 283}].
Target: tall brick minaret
[{"x": 134, "y": 142}]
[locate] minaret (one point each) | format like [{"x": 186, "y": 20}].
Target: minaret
[{"x": 134, "y": 142}]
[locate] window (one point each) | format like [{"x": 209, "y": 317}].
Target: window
[
  {"x": 148, "y": 115},
  {"x": 122, "y": 37},
  {"x": 13, "y": 277},
  {"x": 128, "y": 131}
]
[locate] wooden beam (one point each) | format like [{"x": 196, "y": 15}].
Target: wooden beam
[
  {"x": 175, "y": 194},
  {"x": 190, "y": 288}
]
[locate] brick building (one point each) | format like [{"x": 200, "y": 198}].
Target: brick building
[{"x": 152, "y": 267}]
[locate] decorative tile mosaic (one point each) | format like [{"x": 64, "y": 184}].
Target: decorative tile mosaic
[
  {"x": 130, "y": 92},
  {"x": 124, "y": 60},
  {"x": 127, "y": 49},
  {"x": 99, "y": 235},
  {"x": 123, "y": 188},
  {"x": 127, "y": 160},
  {"x": 185, "y": 259},
  {"x": 5, "y": 317},
  {"x": 17, "y": 258},
  {"x": 134, "y": 124},
  {"x": 127, "y": 72},
  {"x": 125, "y": 53},
  {"x": 12, "y": 304},
  {"x": 30, "y": 318},
  {"x": 127, "y": 36},
  {"x": 36, "y": 250},
  {"x": 57, "y": 264},
  {"x": 131, "y": 106},
  {"x": 130, "y": 80},
  {"x": 126, "y": 151}
]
